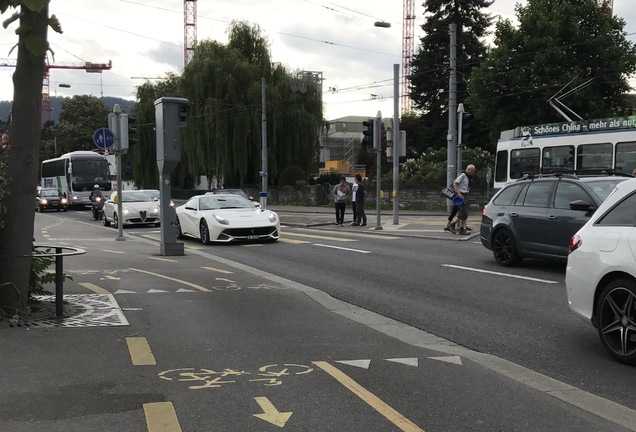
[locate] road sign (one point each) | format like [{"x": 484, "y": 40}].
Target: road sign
[{"x": 104, "y": 138}]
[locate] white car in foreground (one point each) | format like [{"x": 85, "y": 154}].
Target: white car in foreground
[
  {"x": 226, "y": 218},
  {"x": 138, "y": 208},
  {"x": 601, "y": 272}
]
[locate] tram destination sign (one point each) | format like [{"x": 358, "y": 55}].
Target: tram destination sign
[{"x": 580, "y": 126}]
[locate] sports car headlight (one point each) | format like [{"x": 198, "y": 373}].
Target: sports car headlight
[
  {"x": 44, "y": 201},
  {"x": 155, "y": 209},
  {"x": 272, "y": 217},
  {"x": 221, "y": 220}
]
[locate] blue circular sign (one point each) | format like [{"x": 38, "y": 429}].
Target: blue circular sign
[{"x": 104, "y": 138}]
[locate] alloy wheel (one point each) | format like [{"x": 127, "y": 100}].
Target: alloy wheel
[{"x": 616, "y": 315}]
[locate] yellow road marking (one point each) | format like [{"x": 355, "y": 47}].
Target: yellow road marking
[
  {"x": 352, "y": 234},
  {"x": 182, "y": 282},
  {"x": 163, "y": 259},
  {"x": 112, "y": 251},
  {"x": 94, "y": 288},
  {"x": 270, "y": 413},
  {"x": 252, "y": 245},
  {"x": 140, "y": 353},
  {"x": 339, "y": 239},
  {"x": 374, "y": 402},
  {"x": 194, "y": 247},
  {"x": 292, "y": 241},
  {"x": 151, "y": 237},
  {"x": 218, "y": 270},
  {"x": 161, "y": 417}
]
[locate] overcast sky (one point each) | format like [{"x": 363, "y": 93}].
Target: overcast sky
[{"x": 145, "y": 39}]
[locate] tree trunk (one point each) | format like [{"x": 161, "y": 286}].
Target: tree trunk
[{"x": 16, "y": 238}]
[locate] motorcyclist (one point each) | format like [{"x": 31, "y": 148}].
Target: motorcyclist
[
  {"x": 96, "y": 193},
  {"x": 97, "y": 199}
]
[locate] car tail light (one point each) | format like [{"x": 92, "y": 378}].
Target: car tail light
[
  {"x": 483, "y": 215},
  {"x": 575, "y": 243}
]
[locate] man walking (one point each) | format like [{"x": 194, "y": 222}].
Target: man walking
[
  {"x": 361, "y": 194},
  {"x": 462, "y": 187}
]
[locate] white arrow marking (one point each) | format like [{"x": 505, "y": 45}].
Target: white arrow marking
[
  {"x": 121, "y": 291},
  {"x": 364, "y": 364},
  {"x": 449, "y": 359},
  {"x": 271, "y": 414},
  {"x": 185, "y": 290},
  {"x": 153, "y": 291},
  {"x": 407, "y": 361}
]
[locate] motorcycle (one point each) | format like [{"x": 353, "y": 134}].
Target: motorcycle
[{"x": 98, "y": 206}]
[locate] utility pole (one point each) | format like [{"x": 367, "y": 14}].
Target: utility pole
[
  {"x": 114, "y": 124},
  {"x": 396, "y": 143},
  {"x": 460, "y": 127},
  {"x": 377, "y": 145},
  {"x": 263, "y": 173},
  {"x": 451, "y": 168}
]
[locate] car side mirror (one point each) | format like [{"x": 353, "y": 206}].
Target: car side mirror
[{"x": 580, "y": 205}]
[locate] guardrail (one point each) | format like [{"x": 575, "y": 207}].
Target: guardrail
[{"x": 59, "y": 270}]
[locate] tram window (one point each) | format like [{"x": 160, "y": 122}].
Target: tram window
[
  {"x": 501, "y": 166},
  {"x": 558, "y": 159},
  {"x": 524, "y": 161},
  {"x": 594, "y": 158},
  {"x": 625, "y": 157}
]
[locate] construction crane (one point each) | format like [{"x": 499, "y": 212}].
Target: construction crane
[
  {"x": 189, "y": 29},
  {"x": 45, "y": 110},
  {"x": 408, "y": 44}
]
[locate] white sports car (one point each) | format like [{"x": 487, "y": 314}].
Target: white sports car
[
  {"x": 138, "y": 208},
  {"x": 226, "y": 218}
]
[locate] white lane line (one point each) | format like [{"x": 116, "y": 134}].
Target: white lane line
[
  {"x": 500, "y": 274},
  {"x": 342, "y": 248}
]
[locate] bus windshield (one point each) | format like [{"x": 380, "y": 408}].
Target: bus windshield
[{"x": 86, "y": 173}]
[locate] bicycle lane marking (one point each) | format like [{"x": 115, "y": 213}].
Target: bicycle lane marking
[
  {"x": 190, "y": 284},
  {"x": 372, "y": 400}
]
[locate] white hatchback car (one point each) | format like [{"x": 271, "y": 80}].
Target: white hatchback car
[{"x": 601, "y": 272}]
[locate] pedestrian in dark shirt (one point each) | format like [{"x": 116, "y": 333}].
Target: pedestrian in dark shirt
[{"x": 361, "y": 194}]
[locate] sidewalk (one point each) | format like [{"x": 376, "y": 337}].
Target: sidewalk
[{"x": 411, "y": 223}]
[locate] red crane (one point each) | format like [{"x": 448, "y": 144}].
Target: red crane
[
  {"x": 408, "y": 44},
  {"x": 189, "y": 29},
  {"x": 89, "y": 67}
]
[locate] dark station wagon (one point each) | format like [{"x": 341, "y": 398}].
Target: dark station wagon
[{"x": 537, "y": 216}]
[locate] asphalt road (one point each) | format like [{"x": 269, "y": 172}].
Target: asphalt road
[{"x": 241, "y": 330}]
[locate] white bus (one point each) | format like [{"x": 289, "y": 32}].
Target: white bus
[
  {"x": 76, "y": 174},
  {"x": 580, "y": 147}
]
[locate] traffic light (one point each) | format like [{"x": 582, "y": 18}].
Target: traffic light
[
  {"x": 570, "y": 159},
  {"x": 128, "y": 131},
  {"x": 367, "y": 139},
  {"x": 467, "y": 128}
]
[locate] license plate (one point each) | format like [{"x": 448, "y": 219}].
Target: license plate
[{"x": 252, "y": 237}]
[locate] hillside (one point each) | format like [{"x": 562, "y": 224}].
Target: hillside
[{"x": 56, "y": 106}]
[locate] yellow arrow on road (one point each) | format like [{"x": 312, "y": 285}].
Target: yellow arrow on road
[{"x": 271, "y": 414}]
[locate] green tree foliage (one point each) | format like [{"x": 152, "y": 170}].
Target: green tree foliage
[
  {"x": 81, "y": 116},
  {"x": 556, "y": 43},
  {"x": 223, "y": 138},
  {"x": 430, "y": 66}
]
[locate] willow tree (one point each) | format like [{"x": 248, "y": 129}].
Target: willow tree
[
  {"x": 16, "y": 235},
  {"x": 224, "y": 85}
]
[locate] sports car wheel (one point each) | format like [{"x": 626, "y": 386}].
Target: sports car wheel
[
  {"x": 106, "y": 221},
  {"x": 504, "y": 248},
  {"x": 616, "y": 314},
  {"x": 204, "y": 233},
  {"x": 179, "y": 232},
  {"x": 115, "y": 220}
]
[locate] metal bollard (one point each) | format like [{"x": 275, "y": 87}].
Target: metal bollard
[{"x": 59, "y": 283}]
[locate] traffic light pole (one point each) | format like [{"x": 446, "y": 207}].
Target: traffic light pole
[
  {"x": 114, "y": 121},
  {"x": 377, "y": 146},
  {"x": 396, "y": 143}
]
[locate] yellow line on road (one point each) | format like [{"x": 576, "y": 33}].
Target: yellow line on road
[
  {"x": 182, "y": 282},
  {"x": 94, "y": 288},
  {"x": 163, "y": 259},
  {"x": 353, "y": 234},
  {"x": 140, "y": 353},
  {"x": 339, "y": 239},
  {"x": 375, "y": 402},
  {"x": 292, "y": 241},
  {"x": 161, "y": 417},
  {"x": 218, "y": 270}
]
